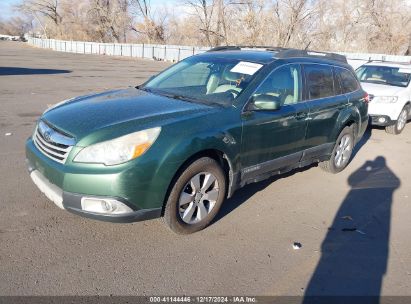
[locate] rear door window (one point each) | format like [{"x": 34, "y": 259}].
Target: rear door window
[{"x": 319, "y": 80}]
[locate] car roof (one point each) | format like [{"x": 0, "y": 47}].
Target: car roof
[
  {"x": 389, "y": 64},
  {"x": 266, "y": 55},
  {"x": 263, "y": 57}
]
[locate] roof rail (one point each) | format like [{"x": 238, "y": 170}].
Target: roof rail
[
  {"x": 240, "y": 47},
  {"x": 389, "y": 61},
  {"x": 225, "y": 48},
  {"x": 284, "y": 52},
  {"x": 307, "y": 53}
]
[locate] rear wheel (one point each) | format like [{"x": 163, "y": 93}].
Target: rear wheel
[
  {"x": 399, "y": 126},
  {"x": 196, "y": 196},
  {"x": 342, "y": 152}
]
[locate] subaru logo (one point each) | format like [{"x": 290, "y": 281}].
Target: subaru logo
[{"x": 47, "y": 135}]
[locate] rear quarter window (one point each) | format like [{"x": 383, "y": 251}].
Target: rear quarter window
[{"x": 347, "y": 80}]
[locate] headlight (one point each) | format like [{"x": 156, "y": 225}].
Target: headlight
[
  {"x": 385, "y": 99},
  {"x": 119, "y": 150}
]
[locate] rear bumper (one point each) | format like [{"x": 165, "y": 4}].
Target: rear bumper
[{"x": 72, "y": 202}]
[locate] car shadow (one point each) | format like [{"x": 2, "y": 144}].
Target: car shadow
[
  {"x": 8, "y": 71},
  {"x": 355, "y": 250},
  {"x": 245, "y": 193},
  {"x": 364, "y": 139}
]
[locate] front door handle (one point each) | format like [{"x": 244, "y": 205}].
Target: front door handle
[{"x": 301, "y": 115}]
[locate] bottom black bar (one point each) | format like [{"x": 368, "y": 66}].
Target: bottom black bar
[{"x": 205, "y": 299}]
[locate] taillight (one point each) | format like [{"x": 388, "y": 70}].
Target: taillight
[{"x": 366, "y": 98}]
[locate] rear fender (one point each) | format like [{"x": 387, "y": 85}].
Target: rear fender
[{"x": 346, "y": 118}]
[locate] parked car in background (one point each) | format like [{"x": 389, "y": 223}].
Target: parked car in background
[
  {"x": 388, "y": 85},
  {"x": 9, "y": 37},
  {"x": 180, "y": 144}
]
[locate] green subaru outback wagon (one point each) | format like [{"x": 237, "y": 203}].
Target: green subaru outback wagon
[{"x": 184, "y": 141}]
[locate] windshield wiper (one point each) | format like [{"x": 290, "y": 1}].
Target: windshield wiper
[
  {"x": 384, "y": 83},
  {"x": 396, "y": 84},
  {"x": 192, "y": 99},
  {"x": 139, "y": 87},
  {"x": 180, "y": 97}
]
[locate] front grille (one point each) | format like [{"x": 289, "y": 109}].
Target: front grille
[{"x": 52, "y": 142}]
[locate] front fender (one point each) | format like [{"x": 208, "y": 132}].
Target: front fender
[{"x": 168, "y": 161}]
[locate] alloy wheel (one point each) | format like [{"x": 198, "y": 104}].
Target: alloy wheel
[
  {"x": 343, "y": 152},
  {"x": 198, "y": 197},
  {"x": 402, "y": 120}
]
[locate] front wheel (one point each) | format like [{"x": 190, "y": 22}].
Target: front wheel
[
  {"x": 195, "y": 197},
  {"x": 399, "y": 126},
  {"x": 342, "y": 152}
]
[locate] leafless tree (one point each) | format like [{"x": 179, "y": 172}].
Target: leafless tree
[
  {"x": 146, "y": 24},
  {"x": 204, "y": 10},
  {"x": 338, "y": 25},
  {"x": 109, "y": 18},
  {"x": 408, "y": 50},
  {"x": 49, "y": 9},
  {"x": 16, "y": 26}
]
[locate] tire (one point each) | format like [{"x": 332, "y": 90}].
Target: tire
[
  {"x": 399, "y": 126},
  {"x": 195, "y": 197},
  {"x": 341, "y": 154}
]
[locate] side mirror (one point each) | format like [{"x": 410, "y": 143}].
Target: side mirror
[{"x": 266, "y": 102}]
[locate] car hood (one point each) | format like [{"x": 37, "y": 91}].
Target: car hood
[
  {"x": 381, "y": 89},
  {"x": 125, "y": 110}
]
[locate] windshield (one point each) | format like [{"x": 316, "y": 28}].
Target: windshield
[
  {"x": 392, "y": 76},
  {"x": 209, "y": 80}
]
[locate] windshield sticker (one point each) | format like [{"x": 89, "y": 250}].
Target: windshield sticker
[
  {"x": 248, "y": 68},
  {"x": 404, "y": 70}
]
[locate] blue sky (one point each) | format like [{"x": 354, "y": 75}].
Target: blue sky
[
  {"x": 6, "y": 6},
  {"x": 6, "y": 10}
]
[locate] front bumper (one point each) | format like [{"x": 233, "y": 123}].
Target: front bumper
[
  {"x": 389, "y": 111},
  {"x": 141, "y": 183},
  {"x": 72, "y": 202}
]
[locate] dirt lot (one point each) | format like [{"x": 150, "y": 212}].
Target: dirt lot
[{"x": 247, "y": 251}]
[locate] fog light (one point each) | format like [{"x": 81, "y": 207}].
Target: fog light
[
  {"x": 104, "y": 205},
  {"x": 381, "y": 120}
]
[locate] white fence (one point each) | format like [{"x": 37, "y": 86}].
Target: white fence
[
  {"x": 170, "y": 52},
  {"x": 151, "y": 51}
]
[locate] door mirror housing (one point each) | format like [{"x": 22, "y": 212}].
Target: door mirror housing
[{"x": 265, "y": 102}]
